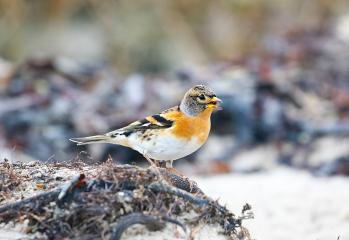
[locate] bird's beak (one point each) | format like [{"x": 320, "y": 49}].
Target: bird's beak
[{"x": 216, "y": 103}]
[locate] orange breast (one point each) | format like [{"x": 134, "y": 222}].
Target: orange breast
[{"x": 187, "y": 127}]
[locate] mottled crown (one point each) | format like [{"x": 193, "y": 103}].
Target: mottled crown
[{"x": 201, "y": 89}]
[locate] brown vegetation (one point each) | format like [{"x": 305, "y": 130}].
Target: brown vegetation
[{"x": 104, "y": 201}]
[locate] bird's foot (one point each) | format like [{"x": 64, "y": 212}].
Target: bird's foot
[
  {"x": 151, "y": 162},
  {"x": 177, "y": 179},
  {"x": 164, "y": 164},
  {"x": 173, "y": 177},
  {"x": 153, "y": 165}
]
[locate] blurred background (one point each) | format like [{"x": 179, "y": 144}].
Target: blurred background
[{"x": 72, "y": 68}]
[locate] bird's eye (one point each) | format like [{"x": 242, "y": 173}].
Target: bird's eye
[{"x": 202, "y": 97}]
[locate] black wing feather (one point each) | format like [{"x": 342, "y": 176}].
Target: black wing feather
[{"x": 143, "y": 125}]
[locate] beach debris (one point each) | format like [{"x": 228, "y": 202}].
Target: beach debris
[{"x": 104, "y": 201}]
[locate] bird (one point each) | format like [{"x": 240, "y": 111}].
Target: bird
[{"x": 170, "y": 135}]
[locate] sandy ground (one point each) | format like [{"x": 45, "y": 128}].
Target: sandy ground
[{"x": 288, "y": 204}]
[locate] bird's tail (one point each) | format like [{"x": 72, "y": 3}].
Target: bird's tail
[{"x": 91, "y": 139}]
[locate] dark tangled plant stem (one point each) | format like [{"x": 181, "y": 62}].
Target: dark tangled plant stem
[{"x": 151, "y": 222}]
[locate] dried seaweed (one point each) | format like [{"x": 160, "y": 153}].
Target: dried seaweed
[{"x": 117, "y": 197}]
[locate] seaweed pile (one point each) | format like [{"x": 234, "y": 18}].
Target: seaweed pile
[{"x": 103, "y": 202}]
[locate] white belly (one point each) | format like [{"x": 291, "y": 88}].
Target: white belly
[{"x": 164, "y": 147}]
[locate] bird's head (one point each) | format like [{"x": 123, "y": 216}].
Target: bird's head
[{"x": 198, "y": 99}]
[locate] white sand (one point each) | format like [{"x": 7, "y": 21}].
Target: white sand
[{"x": 288, "y": 204}]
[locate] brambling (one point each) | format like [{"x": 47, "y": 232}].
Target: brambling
[{"x": 170, "y": 135}]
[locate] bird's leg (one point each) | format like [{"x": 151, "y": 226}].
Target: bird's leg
[
  {"x": 149, "y": 160},
  {"x": 169, "y": 174},
  {"x": 169, "y": 164},
  {"x": 164, "y": 164},
  {"x": 153, "y": 165},
  {"x": 176, "y": 178}
]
